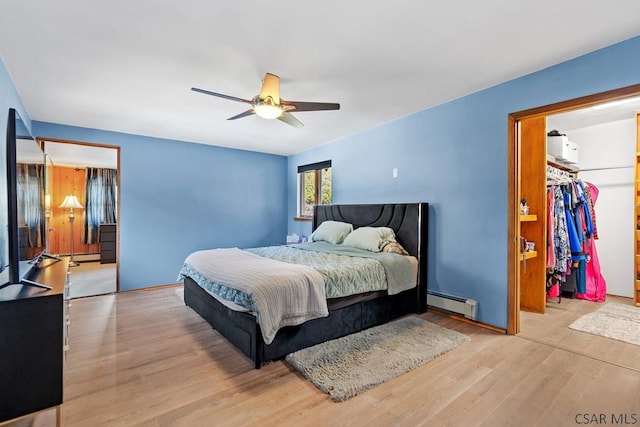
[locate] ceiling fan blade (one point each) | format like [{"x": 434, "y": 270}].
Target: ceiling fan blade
[
  {"x": 241, "y": 115},
  {"x": 220, "y": 95},
  {"x": 310, "y": 106},
  {"x": 270, "y": 88},
  {"x": 289, "y": 119}
]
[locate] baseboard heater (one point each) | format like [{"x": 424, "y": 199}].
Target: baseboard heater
[{"x": 466, "y": 307}]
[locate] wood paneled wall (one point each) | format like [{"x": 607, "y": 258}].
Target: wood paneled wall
[{"x": 67, "y": 181}]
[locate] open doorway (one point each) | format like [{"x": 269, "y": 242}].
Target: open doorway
[
  {"x": 83, "y": 211},
  {"x": 605, "y": 139},
  {"x": 528, "y": 159}
]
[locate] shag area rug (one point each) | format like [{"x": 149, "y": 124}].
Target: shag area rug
[
  {"x": 348, "y": 366},
  {"x": 616, "y": 321}
]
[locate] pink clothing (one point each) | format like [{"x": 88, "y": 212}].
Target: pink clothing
[
  {"x": 596, "y": 289},
  {"x": 596, "y": 284},
  {"x": 551, "y": 251}
]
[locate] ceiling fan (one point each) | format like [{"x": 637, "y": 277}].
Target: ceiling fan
[{"x": 268, "y": 104}]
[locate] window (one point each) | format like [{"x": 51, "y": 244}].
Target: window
[
  {"x": 101, "y": 191},
  {"x": 30, "y": 195},
  {"x": 315, "y": 187}
]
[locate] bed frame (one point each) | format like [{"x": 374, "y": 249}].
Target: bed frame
[{"x": 408, "y": 220}]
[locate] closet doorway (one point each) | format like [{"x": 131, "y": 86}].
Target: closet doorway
[
  {"x": 527, "y": 162},
  {"x": 91, "y": 173}
]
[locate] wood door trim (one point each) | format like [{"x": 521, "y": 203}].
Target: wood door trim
[
  {"x": 578, "y": 103},
  {"x": 42, "y": 140},
  {"x": 636, "y": 290},
  {"x": 513, "y": 171},
  {"x": 513, "y": 227}
]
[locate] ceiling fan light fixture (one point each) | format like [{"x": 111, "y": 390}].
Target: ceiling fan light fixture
[
  {"x": 267, "y": 111},
  {"x": 268, "y": 104}
]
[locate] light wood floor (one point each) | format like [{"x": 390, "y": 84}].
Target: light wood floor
[
  {"x": 92, "y": 278},
  {"x": 143, "y": 358}
]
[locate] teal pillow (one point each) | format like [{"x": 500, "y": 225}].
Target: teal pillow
[
  {"x": 370, "y": 238},
  {"x": 332, "y": 232}
]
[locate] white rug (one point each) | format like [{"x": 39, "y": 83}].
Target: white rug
[
  {"x": 616, "y": 321},
  {"x": 351, "y": 365}
]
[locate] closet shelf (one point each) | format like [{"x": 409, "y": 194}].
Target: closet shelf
[
  {"x": 528, "y": 218},
  {"x": 563, "y": 166},
  {"x": 528, "y": 255}
]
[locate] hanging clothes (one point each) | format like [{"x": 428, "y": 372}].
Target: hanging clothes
[
  {"x": 572, "y": 259},
  {"x": 558, "y": 251},
  {"x": 554, "y": 281},
  {"x": 591, "y": 193},
  {"x": 575, "y": 239},
  {"x": 551, "y": 249},
  {"x": 577, "y": 201},
  {"x": 595, "y": 288},
  {"x": 560, "y": 232},
  {"x": 585, "y": 210}
]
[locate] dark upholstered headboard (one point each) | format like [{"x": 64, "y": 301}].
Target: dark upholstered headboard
[{"x": 409, "y": 221}]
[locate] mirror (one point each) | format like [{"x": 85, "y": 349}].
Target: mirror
[
  {"x": 30, "y": 197},
  {"x": 25, "y": 167},
  {"x": 4, "y": 205},
  {"x": 48, "y": 194}
]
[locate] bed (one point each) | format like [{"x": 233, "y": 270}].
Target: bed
[{"x": 346, "y": 315}]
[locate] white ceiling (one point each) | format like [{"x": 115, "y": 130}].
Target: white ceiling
[
  {"x": 78, "y": 155},
  {"x": 28, "y": 151},
  {"x": 128, "y": 66},
  {"x": 591, "y": 116},
  {"x": 66, "y": 154}
]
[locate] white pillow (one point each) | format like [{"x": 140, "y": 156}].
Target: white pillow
[
  {"x": 331, "y": 231},
  {"x": 370, "y": 238}
]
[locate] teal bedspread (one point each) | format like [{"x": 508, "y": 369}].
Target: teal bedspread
[{"x": 346, "y": 270}]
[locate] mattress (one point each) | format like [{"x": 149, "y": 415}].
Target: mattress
[
  {"x": 348, "y": 279},
  {"x": 333, "y": 303}
]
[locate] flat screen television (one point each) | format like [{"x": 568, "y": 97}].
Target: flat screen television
[
  {"x": 23, "y": 200},
  {"x": 4, "y": 205}
]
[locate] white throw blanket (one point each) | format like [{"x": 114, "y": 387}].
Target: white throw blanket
[{"x": 284, "y": 294}]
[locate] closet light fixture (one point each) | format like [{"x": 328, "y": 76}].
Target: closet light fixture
[{"x": 616, "y": 103}]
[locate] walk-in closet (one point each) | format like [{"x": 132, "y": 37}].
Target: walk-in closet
[{"x": 579, "y": 205}]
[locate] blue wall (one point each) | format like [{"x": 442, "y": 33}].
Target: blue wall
[
  {"x": 178, "y": 197},
  {"x": 9, "y": 98},
  {"x": 454, "y": 156}
]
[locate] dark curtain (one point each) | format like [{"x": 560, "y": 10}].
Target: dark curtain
[
  {"x": 100, "y": 198},
  {"x": 30, "y": 186}
]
